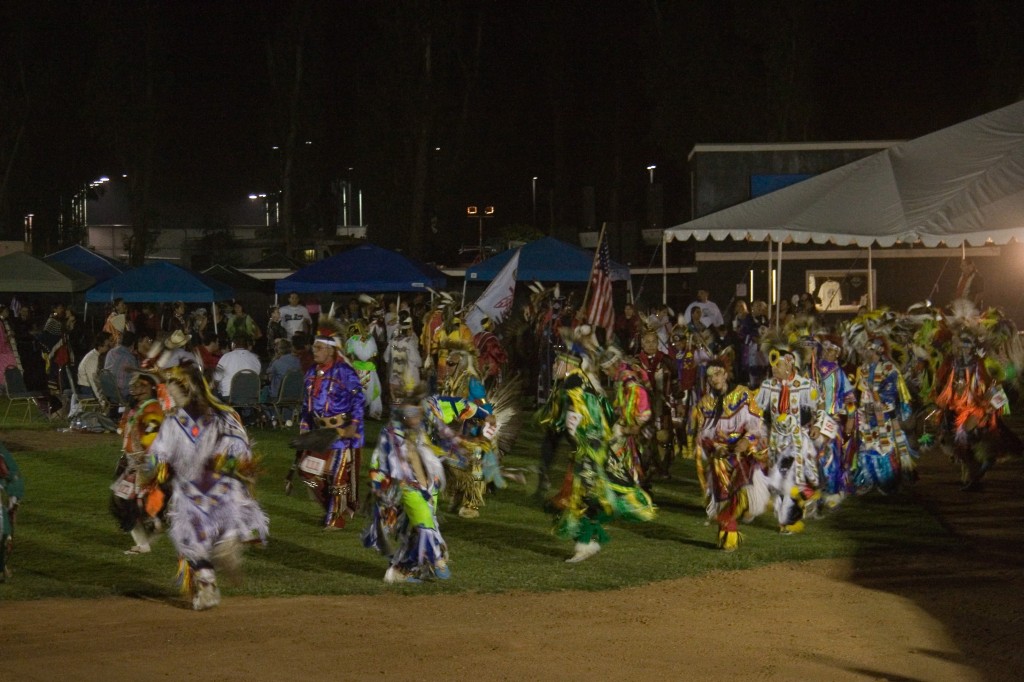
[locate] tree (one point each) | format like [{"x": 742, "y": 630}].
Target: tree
[{"x": 125, "y": 106}]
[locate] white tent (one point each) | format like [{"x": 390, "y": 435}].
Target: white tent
[{"x": 960, "y": 185}]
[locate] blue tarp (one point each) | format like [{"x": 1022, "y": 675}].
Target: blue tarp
[
  {"x": 365, "y": 268},
  {"x": 160, "y": 283},
  {"x": 545, "y": 260},
  {"x": 100, "y": 268}
]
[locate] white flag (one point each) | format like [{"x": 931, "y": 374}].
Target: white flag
[{"x": 496, "y": 301}]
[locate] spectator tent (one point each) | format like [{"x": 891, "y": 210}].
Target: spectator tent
[
  {"x": 363, "y": 269},
  {"x": 160, "y": 283},
  {"x": 960, "y": 185},
  {"x": 24, "y": 273},
  {"x": 85, "y": 260},
  {"x": 545, "y": 260}
]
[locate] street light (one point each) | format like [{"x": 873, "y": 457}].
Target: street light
[
  {"x": 480, "y": 214},
  {"x": 266, "y": 204},
  {"x": 650, "y": 169}
]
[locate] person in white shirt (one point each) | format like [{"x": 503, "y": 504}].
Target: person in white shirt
[
  {"x": 238, "y": 358},
  {"x": 712, "y": 316},
  {"x": 295, "y": 318},
  {"x": 89, "y": 367}
]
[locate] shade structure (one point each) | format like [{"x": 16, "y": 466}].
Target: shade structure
[
  {"x": 22, "y": 272},
  {"x": 238, "y": 280},
  {"x": 160, "y": 283},
  {"x": 85, "y": 260},
  {"x": 960, "y": 185},
  {"x": 363, "y": 268},
  {"x": 545, "y": 260}
]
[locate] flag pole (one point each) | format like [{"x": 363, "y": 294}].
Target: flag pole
[{"x": 590, "y": 277}]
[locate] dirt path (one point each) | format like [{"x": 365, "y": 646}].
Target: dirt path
[{"x": 950, "y": 617}]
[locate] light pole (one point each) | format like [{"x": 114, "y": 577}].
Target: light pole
[
  {"x": 535, "y": 202},
  {"x": 650, "y": 170}
]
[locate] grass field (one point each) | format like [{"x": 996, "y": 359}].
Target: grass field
[{"x": 68, "y": 545}]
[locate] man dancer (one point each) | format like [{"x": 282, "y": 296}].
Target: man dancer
[
  {"x": 791, "y": 406},
  {"x": 603, "y": 485},
  {"x": 728, "y": 434},
  {"x": 839, "y": 402},
  {"x": 660, "y": 370},
  {"x": 884, "y": 456},
  {"x": 406, "y": 478},
  {"x": 331, "y": 428}
]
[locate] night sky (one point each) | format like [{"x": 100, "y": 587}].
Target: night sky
[{"x": 576, "y": 93}]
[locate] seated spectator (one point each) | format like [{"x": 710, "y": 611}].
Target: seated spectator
[
  {"x": 89, "y": 368},
  {"x": 122, "y": 362},
  {"x": 240, "y": 357},
  {"x": 284, "y": 361},
  {"x": 209, "y": 353}
]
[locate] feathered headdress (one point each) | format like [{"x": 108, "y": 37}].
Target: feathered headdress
[
  {"x": 775, "y": 344},
  {"x": 330, "y": 331}
]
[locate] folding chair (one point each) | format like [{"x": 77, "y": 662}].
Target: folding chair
[
  {"x": 244, "y": 395},
  {"x": 108, "y": 387},
  {"x": 289, "y": 395},
  {"x": 84, "y": 403},
  {"x": 17, "y": 392}
]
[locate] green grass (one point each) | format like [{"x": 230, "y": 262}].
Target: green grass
[{"x": 69, "y": 546}]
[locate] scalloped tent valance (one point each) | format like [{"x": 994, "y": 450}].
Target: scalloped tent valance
[{"x": 960, "y": 185}]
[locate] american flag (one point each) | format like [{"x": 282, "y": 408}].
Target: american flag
[{"x": 600, "y": 312}]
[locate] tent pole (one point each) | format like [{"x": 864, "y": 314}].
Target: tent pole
[
  {"x": 213, "y": 314},
  {"x": 778, "y": 287},
  {"x": 871, "y": 281},
  {"x": 769, "y": 288},
  {"x": 629, "y": 290},
  {"x": 664, "y": 270},
  {"x": 464, "y": 282}
]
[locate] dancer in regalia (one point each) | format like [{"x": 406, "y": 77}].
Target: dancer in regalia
[
  {"x": 137, "y": 503},
  {"x": 329, "y": 446},
  {"x": 660, "y": 375},
  {"x": 602, "y": 486},
  {"x": 884, "y": 457},
  {"x": 406, "y": 478},
  {"x": 791, "y": 406},
  {"x": 361, "y": 349},
  {"x": 969, "y": 391},
  {"x": 729, "y": 436},
  {"x": 839, "y": 401},
  {"x": 203, "y": 450}
]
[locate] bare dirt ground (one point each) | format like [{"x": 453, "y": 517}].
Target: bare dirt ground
[{"x": 957, "y": 616}]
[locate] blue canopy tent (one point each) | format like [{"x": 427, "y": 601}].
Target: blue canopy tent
[
  {"x": 99, "y": 267},
  {"x": 363, "y": 269},
  {"x": 160, "y": 283},
  {"x": 546, "y": 260}
]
